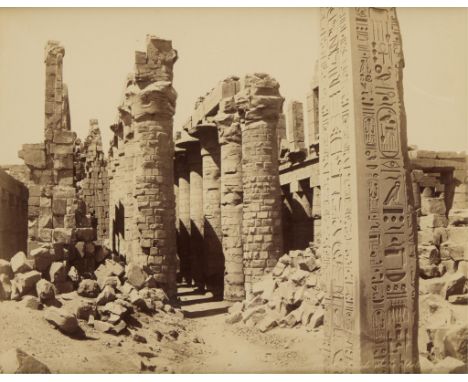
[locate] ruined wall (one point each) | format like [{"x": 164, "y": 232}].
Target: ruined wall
[
  {"x": 13, "y": 216},
  {"x": 94, "y": 187},
  {"x": 56, "y": 214},
  {"x": 143, "y": 209}
]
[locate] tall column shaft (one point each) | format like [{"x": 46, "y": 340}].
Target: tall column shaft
[
  {"x": 183, "y": 206},
  {"x": 196, "y": 213},
  {"x": 368, "y": 223},
  {"x": 230, "y": 139},
  {"x": 152, "y": 111},
  {"x": 260, "y": 103},
  {"x": 212, "y": 234}
]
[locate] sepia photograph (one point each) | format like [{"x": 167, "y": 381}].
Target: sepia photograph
[{"x": 233, "y": 190}]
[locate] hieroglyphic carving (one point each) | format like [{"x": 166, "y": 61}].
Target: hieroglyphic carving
[{"x": 368, "y": 244}]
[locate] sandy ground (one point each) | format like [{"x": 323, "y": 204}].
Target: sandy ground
[{"x": 205, "y": 343}]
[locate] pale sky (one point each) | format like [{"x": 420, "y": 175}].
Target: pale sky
[{"x": 213, "y": 44}]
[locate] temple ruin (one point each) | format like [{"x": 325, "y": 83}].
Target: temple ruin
[{"x": 250, "y": 176}]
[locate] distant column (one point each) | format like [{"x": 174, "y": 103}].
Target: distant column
[
  {"x": 260, "y": 103},
  {"x": 230, "y": 139},
  {"x": 183, "y": 205},
  {"x": 212, "y": 234},
  {"x": 368, "y": 251},
  {"x": 194, "y": 163},
  {"x": 295, "y": 125}
]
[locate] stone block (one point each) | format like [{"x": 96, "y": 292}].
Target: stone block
[
  {"x": 88, "y": 288},
  {"x": 62, "y": 320},
  {"x": 455, "y": 284},
  {"x": 16, "y": 361},
  {"x": 456, "y": 252},
  {"x": 45, "y": 290},
  {"x": 20, "y": 264},
  {"x": 5, "y": 268},
  {"x": 136, "y": 276},
  {"x": 58, "y": 272},
  {"x": 433, "y": 206},
  {"x": 25, "y": 282},
  {"x": 432, "y": 221},
  {"x": 458, "y": 235}
]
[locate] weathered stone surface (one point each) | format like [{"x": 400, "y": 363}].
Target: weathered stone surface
[
  {"x": 45, "y": 290},
  {"x": 16, "y": 361},
  {"x": 136, "y": 276},
  {"x": 461, "y": 299},
  {"x": 84, "y": 310},
  {"x": 456, "y": 252},
  {"x": 107, "y": 295},
  {"x": 58, "y": 272},
  {"x": 5, "y": 287},
  {"x": 366, "y": 202},
  {"x": 20, "y": 264},
  {"x": 449, "y": 365},
  {"x": 88, "y": 288},
  {"x": 42, "y": 258},
  {"x": 458, "y": 217},
  {"x": 5, "y": 268},
  {"x": 25, "y": 282},
  {"x": 62, "y": 320},
  {"x": 455, "y": 284},
  {"x": 32, "y": 302}
]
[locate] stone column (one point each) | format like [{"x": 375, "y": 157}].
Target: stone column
[
  {"x": 183, "y": 246},
  {"x": 317, "y": 213},
  {"x": 230, "y": 139},
  {"x": 194, "y": 163},
  {"x": 368, "y": 222},
  {"x": 260, "y": 103},
  {"x": 152, "y": 112},
  {"x": 212, "y": 235},
  {"x": 295, "y": 125}
]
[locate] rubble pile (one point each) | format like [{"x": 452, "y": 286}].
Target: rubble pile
[
  {"x": 289, "y": 296},
  {"x": 443, "y": 267},
  {"x": 443, "y": 251},
  {"x": 104, "y": 299}
]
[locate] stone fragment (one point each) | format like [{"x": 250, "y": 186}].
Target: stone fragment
[
  {"x": 101, "y": 253},
  {"x": 16, "y": 361},
  {"x": 435, "y": 312},
  {"x": 88, "y": 288},
  {"x": 139, "y": 338},
  {"x": 135, "y": 275},
  {"x": 428, "y": 254},
  {"x": 64, "y": 287},
  {"x": 433, "y": 206},
  {"x": 62, "y": 320},
  {"x": 115, "y": 308},
  {"x": 107, "y": 295},
  {"x": 429, "y": 271},
  {"x": 58, "y": 272},
  {"x": 118, "y": 328},
  {"x": 73, "y": 275},
  {"x": 299, "y": 276},
  {"x": 20, "y": 264},
  {"x": 456, "y": 342},
  {"x": 458, "y": 217},
  {"x": 439, "y": 236},
  {"x": 317, "y": 318},
  {"x": 102, "y": 326},
  {"x": 268, "y": 323},
  {"x": 455, "y": 284},
  {"x": 5, "y": 287},
  {"x": 42, "y": 258},
  {"x": 84, "y": 310},
  {"x": 32, "y": 302},
  {"x": 461, "y": 299},
  {"x": 264, "y": 287},
  {"x": 5, "y": 269},
  {"x": 458, "y": 235},
  {"x": 449, "y": 365},
  {"x": 45, "y": 290},
  {"x": 425, "y": 365},
  {"x": 25, "y": 282},
  {"x": 308, "y": 264},
  {"x": 451, "y": 250},
  {"x": 432, "y": 286}
]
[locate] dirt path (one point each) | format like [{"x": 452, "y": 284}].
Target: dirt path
[{"x": 239, "y": 349}]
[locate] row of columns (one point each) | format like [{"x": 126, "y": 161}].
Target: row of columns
[{"x": 235, "y": 230}]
